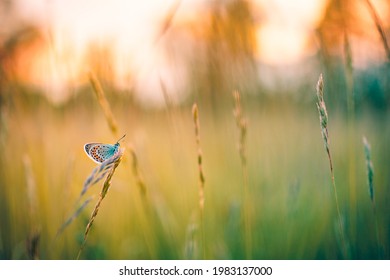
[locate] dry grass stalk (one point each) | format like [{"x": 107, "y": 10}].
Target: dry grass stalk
[
  {"x": 104, "y": 103},
  {"x": 97, "y": 174},
  {"x": 116, "y": 159},
  {"x": 379, "y": 27},
  {"x": 31, "y": 188},
  {"x": 370, "y": 182},
  {"x": 242, "y": 127},
  {"x": 195, "y": 115},
  {"x": 100, "y": 172},
  {"x": 136, "y": 172},
  {"x": 323, "y": 114},
  {"x": 34, "y": 234}
]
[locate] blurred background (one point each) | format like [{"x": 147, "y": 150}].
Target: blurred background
[{"x": 153, "y": 60}]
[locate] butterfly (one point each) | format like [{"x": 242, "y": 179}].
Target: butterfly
[{"x": 100, "y": 152}]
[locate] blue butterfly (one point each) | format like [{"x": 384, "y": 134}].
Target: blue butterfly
[{"x": 100, "y": 152}]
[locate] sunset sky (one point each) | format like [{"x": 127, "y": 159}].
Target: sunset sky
[{"x": 131, "y": 28}]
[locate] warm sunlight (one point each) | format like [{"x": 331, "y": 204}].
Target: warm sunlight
[
  {"x": 213, "y": 130},
  {"x": 129, "y": 30},
  {"x": 127, "y": 41}
]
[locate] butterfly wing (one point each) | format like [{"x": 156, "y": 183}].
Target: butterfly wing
[{"x": 99, "y": 152}]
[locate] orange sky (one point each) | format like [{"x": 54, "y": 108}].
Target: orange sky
[{"x": 131, "y": 26}]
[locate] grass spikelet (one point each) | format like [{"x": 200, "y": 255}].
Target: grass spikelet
[
  {"x": 136, "y": 172},
  {"x": 242, "y": 127},
  {"x": 97, "y": 88},
  {"x": 116, "y": 159},
  {"x": 195, "y": 115},
  {"x": 379, "y": 27},
  {"x": 97, "y": 174},
  {"x": 370, "y": 182},
  {"x": 323, "y": 114},
  {"x": 100, "y": 172}
]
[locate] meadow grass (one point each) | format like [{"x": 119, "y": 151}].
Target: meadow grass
[
  {"x": 293, "y": 210},
  {"x": 105, "y": 170},
  {"x": 110, "y": 165},
  {"x": 242, "y": 124},
  {"x": 195, "y": 116},
  {"x": 323, "y": 114},
  {"x": 370, "y": 183}
]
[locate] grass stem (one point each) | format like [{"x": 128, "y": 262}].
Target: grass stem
[
  {"x": 325, "y": 136},
  {"x": 242, "y": 127},
  {"x": 116, "y": 159},
  {"x": 195, "y": 115},
  {"x": 379, "y": 27}
]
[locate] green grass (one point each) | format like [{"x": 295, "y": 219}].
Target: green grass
[{"x": 293, "y": 215}]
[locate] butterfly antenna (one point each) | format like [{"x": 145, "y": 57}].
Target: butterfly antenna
[{"x": 121, "y": 138}]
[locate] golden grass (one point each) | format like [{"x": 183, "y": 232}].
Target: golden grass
[
  {"x": 112, "y": 123},
  {"x": 284, "y": 226},
  {"x": 111, "y": 165},
  {"x": 34, "y": 231},
  {"x": 136, "y": 172},
  {"x": 195, "y": 115},
  {"x": 242, "y": 123}
]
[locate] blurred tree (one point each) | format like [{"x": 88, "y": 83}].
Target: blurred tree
[
  {"x": 230, "y": 46},
  {"x": 350, "y": 23},
  {"x": 222, "y": 46},
  {"x": 15, "y": 36}
]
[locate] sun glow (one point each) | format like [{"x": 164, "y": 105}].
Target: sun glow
[{"x": 128, "y": 31}]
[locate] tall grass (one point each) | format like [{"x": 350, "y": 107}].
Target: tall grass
[
  {"x": 122, "y": 229},
  {"x": 34, "y": 234},
  {"x": 195, "y": 115},
  {"x": 137, "y": 173},
  {"x": 370, "y": 183},
  {"x": 105, "y": 170},
  {"x": 241, "y": 123},
  {"x": 109, "y": 165},
  {"x": 348, "y": 65},
  {"x": 101, "y": 97},
  {"x": 379, "y": 27},
  {"x": 281, "y": 228},
  {"x": 323, "y": 114}
]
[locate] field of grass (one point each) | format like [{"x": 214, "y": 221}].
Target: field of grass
[{"x": 288, "y": 206}]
